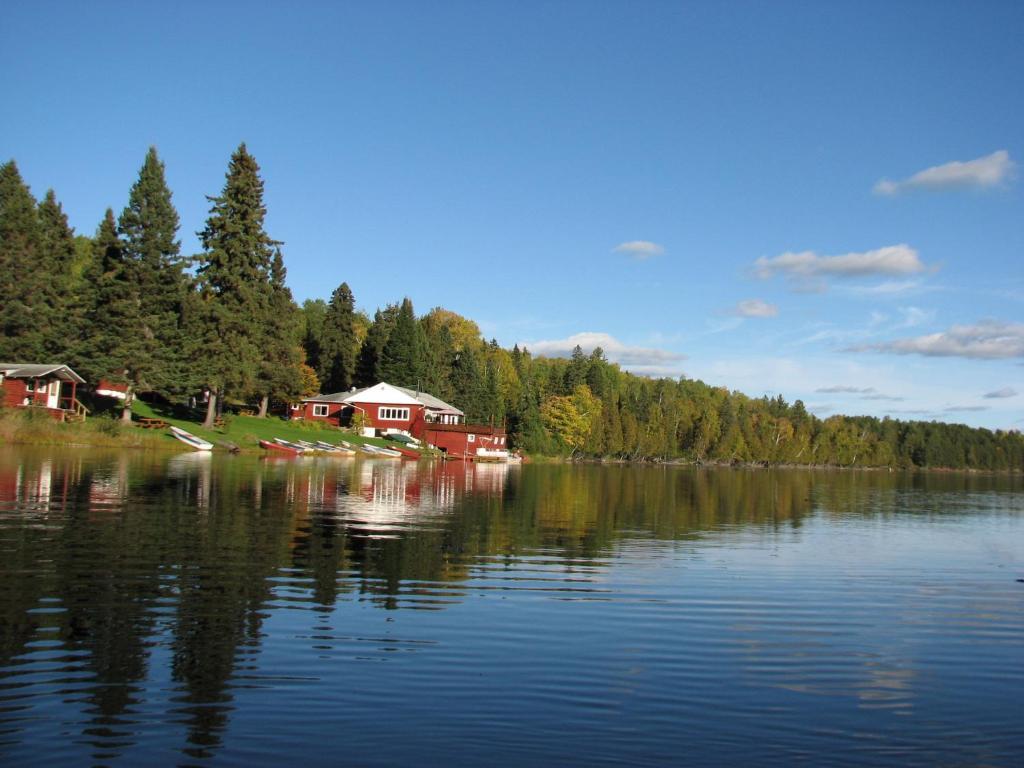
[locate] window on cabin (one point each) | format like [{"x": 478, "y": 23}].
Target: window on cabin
[
  {"x": 30, "y": 385},
  {"x": 471, "y": 438},
  {"x": 393, "y": 414},
  {"x": 320, "y": 410}
]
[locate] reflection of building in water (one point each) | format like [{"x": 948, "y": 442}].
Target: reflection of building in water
[
  {"x": 194, "y": 471},
  {"x": 109, "y": 486},
  {"x": 28, "y": 487},
  {"x": 385, "y": 495}
]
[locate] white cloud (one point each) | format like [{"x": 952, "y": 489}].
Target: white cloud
[
  {"x": 965, "y": 408},
  {"x": 640, "y": 249},
  {"x": 845, "y": 389},
  {"x": 646, "y": 361},
  {"x": 807, "y": 268},
  {"x": 890, "y": 288},
  {"x": 756, "y": 308},
  {"x": 989, "y": 171},
  {"x": 988, "y": 340},
  {"x": 1001, "y": 393},
  {"x": 915, "y": 316}
]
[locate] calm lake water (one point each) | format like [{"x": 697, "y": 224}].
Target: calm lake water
[{"x": 191, "y": 610}]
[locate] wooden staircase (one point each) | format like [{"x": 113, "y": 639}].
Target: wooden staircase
[{"x": 76, "y": 412}]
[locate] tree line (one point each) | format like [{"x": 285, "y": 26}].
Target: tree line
[{"x": 127, "y": 306}]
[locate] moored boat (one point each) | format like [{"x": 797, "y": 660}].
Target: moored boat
[
  {"x": 275, "y": 447},
  {"x": 196, "y": 443}
]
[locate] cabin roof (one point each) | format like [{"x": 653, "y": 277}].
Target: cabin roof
[
  {"x": 39, "y": 371},
  {"x": 387, "y": 393}
]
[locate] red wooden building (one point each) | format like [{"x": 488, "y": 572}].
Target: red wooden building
[
  {"x": 386, "y": 408},
  {"x": 51, "y": 387}
]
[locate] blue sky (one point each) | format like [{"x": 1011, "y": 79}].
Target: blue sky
[{"x": 819, "y": 200}]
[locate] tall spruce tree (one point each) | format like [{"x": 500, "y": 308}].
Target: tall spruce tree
[
  {"x": 280, "y": 376},
  {"x": 339, "y": 347},
  {"x": 402, "y": 357},
  {"x": 439, "y": 354},
  {"x": 147, "y": 339},
  {"x": 21, "y": 332},
  {"x": 369, "y": 364},
  {"x": 233, "y": 273},
  {"x": 114, "y": 338},
  {"x": 55, "y": 306},
  {"x": 469, "y": 385}
]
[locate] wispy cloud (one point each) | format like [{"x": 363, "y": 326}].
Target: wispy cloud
[
  {"x": 755, "y": 308},
  {"x": 879, "y": 396},
  {"x": 640, "y": 249},
  {"x": 647, "y": 361},
  {"x": 840, "y": 388},
  {"x": 888, "y": 288},
  {"x": 986, "y": 340},
  {"x": 808, "y": 270},
  {"x": 965, "y": 408},
  {"x": 915, "y": 316},
  {"x": 1000, "y": 394},
  {"x": 988, "y": 171}
]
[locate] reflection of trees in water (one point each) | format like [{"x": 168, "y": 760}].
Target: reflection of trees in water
[{"x": 138, "y": 549}]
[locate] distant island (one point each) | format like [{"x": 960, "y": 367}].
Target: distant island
[{"x": 128, "y": 308}]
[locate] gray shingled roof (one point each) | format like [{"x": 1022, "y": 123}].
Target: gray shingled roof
[
  {"x": 337, "y": 397},
  {"x": 39, "y": 371},
  {"x": 431, "y": 402},
  {"x": 434, "y": 403}
]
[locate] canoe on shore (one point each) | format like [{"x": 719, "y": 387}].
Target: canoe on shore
[
  {"x": 196, "y": 443},
  {"x": 274, "y": 447}
]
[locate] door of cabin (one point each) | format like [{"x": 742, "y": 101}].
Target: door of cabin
[{"x": 53, "y": 394}]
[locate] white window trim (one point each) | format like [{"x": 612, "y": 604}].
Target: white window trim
[
  {"x": 392, "y": 413},
  {"x": 325, "y": 408},
  {"x": 471, "y": 438}
]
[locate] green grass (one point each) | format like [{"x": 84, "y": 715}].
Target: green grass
[{"x": 246, "y": 431}]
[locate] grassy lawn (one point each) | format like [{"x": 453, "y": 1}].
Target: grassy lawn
[{"x": 247, "y": 431}]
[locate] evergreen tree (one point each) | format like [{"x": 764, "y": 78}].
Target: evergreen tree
[
  {"x": 402, "y": 357},
  {"x": 150, "y": 274},
  {"x": 339, "y": 348},
  {"x": 369, "y": 369},
  {"x": 468, "y": 384},
  {"x": 280, "y": 375},
  {"x": 54, "y": 304},
  {"x": 233, "y": 273},
  {"x": 314, "y": 313},
  {"x": 21, "y": 332},
  {"x": 113, "y": 339},
  {"x": 439, "y": 354}
]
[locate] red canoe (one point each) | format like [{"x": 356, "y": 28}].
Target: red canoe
[{"x": 278, "y": 448}]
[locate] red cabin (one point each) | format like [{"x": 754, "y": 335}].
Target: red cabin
[
  {"x": 50, "y": 387},
  {"x": 386, "y": 408}
]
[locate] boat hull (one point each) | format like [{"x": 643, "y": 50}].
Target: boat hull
[{"x": 277, "y": 448}]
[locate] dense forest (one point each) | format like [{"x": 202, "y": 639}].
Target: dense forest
[{"x": 127, "y": 306}]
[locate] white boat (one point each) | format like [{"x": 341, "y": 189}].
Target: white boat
[
  {"x": 375, "y": 450},
  {"x": 196, "y": 443},
  {"x": 492, "y": 454}
]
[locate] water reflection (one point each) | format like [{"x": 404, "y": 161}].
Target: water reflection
[{"x": 145, "y": 595}]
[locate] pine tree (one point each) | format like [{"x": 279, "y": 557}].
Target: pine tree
[
  {"x": 438, "y": 356},
  {"x": 153, "y": 273},
  {"x": 233, "y": 273},
  {"x": 55, "y": 306},
  {"x": 314, "y": 313},
  {"x": 339, "y": 348},
  {"x": 369, "y": 369},
  {"x": 468, "y": 383},
  {"x": 21, "y": 332},
  {"x": 402, "y": 357},
  {"x": 113, "y": 340},
  {"x": 280, "y": 374}
]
